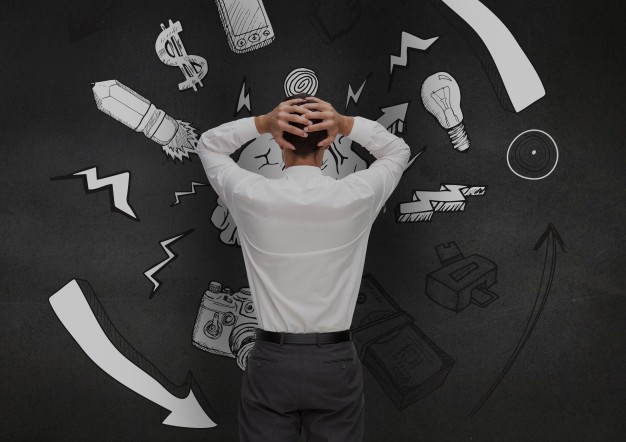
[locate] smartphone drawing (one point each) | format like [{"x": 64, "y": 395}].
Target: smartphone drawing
[{"x": 246, "y": 24}]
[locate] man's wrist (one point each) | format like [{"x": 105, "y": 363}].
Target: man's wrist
[
  {"x": 261, "y": 124},
  {"x": 346, "y": 125}
]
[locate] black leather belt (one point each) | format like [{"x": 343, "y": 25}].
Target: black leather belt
[{"x": 303, "y": 338}]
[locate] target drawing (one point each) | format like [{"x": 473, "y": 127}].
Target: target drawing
[
  {"x": 532, "y": 155},
  {"x": 301, "y": 80}
]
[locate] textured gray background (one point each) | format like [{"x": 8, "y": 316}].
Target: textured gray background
[{"x": 568, "y": 383}]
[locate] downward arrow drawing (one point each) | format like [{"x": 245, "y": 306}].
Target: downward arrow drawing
[
  {"x": 551, "y": 237},
  {"x": 82, "y": 315}
]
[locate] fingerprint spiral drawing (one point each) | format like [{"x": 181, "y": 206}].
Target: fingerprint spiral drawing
[
  {"x": 532, "y": 155},
  {"x": 301, "y": 80}
]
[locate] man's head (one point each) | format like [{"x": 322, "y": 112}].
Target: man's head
[{"x": 305, "y": 146}]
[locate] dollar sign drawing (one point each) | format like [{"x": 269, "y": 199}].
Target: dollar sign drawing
[{"x": 171, "y": 51}]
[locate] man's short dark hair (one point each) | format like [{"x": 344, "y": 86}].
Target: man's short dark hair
[{"x": 304, "y": 146}]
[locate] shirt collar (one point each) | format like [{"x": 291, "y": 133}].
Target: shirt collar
[{"x": 302, "y": 170}]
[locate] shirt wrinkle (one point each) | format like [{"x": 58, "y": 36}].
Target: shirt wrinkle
[{"x": 315, "y": 252}]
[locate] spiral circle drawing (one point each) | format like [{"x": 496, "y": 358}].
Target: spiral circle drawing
[
  {"x": 532, "y": 155},
  {"x": 301, "y": 80}
]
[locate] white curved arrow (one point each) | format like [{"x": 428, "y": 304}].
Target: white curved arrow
[
  {"x": 521, "y": 81},
  {"x": 83, "y": 316}
]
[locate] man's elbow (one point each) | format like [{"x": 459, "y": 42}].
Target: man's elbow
[{"x": 406, "y": 154}]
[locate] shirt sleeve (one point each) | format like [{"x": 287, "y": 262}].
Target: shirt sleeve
[
  {"x": 392, "y": 156},
  {"x": 214, "y": 149}
]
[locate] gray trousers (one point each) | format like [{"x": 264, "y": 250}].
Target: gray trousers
[{"x": 286, "y": 387}]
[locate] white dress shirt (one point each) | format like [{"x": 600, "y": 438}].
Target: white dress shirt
[{"x": 303, "y": 236}]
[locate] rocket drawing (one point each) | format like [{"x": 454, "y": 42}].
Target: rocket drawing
[{"x": 176, "y": 137}]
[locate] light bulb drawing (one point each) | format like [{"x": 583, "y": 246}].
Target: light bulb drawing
[{"x": 441, "y": 97}]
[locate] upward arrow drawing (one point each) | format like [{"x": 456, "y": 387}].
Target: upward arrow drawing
[
  {"x": 81, "y": 313},
  {"x": 392, "y": 114},
  {"x": 551, "y": 237}
]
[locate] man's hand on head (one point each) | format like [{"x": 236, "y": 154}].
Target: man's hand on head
[
  {"x": 332, "y": 121},
  {"x": 277, "y": 121}
]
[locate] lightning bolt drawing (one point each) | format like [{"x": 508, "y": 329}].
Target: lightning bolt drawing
[
  {"x": 353, "y": 95},
  {"x": 244, "y": 98},
  {"x": 191, "y": 192},
  {"x": 117, "y": 184},
  {"x": 170, "y": 256},
  {"x": 450, "y": 198},
  {"x": 407, "y": 41},
  {"x": 414, "y": 158}
]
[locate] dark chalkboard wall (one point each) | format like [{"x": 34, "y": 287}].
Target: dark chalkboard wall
[{"x": 543, "y": 361}]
